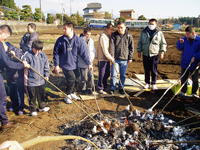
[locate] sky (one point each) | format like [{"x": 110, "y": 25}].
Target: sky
[{"x": 149, "y": 8}]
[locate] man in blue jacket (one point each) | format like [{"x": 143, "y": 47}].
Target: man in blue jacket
[
  {"x": 5, "y": 62},
  {"x": 190, "y": 47},
  {"x": 66, "y": 51}
]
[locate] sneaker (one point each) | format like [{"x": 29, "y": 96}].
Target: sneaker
[
  {"x": 9, "y": 125},
  {"x": 90, "y": 92},
  {"x": 75, "y": 97},
  {"x": 182, "y": 94},
  {"x": 11, "y": 109},
  {"x": 147, "y": 86},
  {"x": 34, "y": 113},
  {"x": 154, "y": 87},
  {"x": 67, "y": 100},
  {"x": 111, "y": 92},
  {"x": 45, "y": 109},
  {"x": 195, "y": 95},
  {"x": 100, "y": 91},
  {"x": 121, "y": 91},
  {"x": 20, "y": 112}
]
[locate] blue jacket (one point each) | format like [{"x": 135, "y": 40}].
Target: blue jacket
[
  {"x": 188, "y": 51},
  {"x": 14, "y": 75},
  {"x": 40, "y": 64},
  {"x": 5, "y": 61},
  {"x": 66, "y": 52},
  {"x": 27, "y": 40}
]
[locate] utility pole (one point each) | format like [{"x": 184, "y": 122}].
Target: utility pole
[
  {"x": 41, "y": 10},
  {"x": 192, "y": 22},
  {"x": 71, "y": 7},
  {"x": 62, "y": 13}
]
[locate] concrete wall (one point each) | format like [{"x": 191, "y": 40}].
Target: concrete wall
[{"x": 21, "y": 26}]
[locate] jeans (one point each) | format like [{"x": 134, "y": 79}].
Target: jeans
[
  {"x": 16, "y": 92},
  {"x": 121, "y": 66},
  {"x": 195, "y": 76}
]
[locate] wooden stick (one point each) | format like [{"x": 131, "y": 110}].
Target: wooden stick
[{"x": 41, "y": 139}]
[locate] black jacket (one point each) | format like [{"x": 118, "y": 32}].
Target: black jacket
[{"x": 122, "y": 46}]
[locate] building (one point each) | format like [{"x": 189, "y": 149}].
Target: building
[
  {"x": 176, "y": 26},
  {"x": 90, "y": 9},
  {"x": 127, "y": 14}
]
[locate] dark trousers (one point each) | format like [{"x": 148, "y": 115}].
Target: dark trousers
[
  {"x": 86, "y": 79},
  {"x": 16, "y": 92},
  {"x": 195, "y": 76},
  {"x": 150, "y": 66},
  {"x": 3, "y": 102},
  {"x": 104, "y": 73},
  {"x": 36, "y": 92},
  {"x": 73, "y": 78}
]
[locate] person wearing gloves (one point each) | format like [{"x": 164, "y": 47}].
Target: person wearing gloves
[
  {"x": 152, "y": 45},
  {"x": 86, "y": 74},
  {"x": 190, "y": 47}
]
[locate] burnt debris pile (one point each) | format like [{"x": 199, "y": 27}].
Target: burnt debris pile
[{"x": 130, "y": 130}]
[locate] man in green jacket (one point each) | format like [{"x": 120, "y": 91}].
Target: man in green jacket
[{"x": 153, "y": 46}]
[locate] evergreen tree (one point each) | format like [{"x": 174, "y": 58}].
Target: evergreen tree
[
  {"x": 80, "y": 20},
  {"x": 37, "y": 14},
  {"x": 26, "y": 13},
  {"x": 8, "y": 3},
  {"x": 50, "y": 18}
]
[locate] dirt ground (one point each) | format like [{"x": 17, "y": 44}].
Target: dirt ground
[{"x": 46, "y": 124}]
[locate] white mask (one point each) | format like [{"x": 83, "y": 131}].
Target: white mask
[{"x": 152, "y": 27}]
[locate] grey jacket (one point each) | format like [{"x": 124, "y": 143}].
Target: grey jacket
[
  {"x": 27, "y": 40},
  {"x": 122, "y": 46},
  {"x": 38, "y": 63},
  {"x": 153, "y": 48}
]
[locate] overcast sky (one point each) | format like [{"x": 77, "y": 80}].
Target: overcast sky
[{"x": 148, "y": 8}]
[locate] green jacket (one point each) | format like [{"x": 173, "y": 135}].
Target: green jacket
[{"x": 153, "y": 48}]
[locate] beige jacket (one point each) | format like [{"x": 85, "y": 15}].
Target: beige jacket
[{"x": 103, "y": 50}]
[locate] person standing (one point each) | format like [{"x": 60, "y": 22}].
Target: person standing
[
  {"x": 5, "y": 62},
  {"x": 38, "y": 60},
  {"x": 15, "y": 80},
  {"x": 190, "y": 47},
  {"x": 122, "y": 49},
  {"x": 104, "y": 58},
  {"x": 86, "y": 74},
  {"x": 66, "y": 51},
  {"x": 152, "y": 45},
  {"x": 29, "y": 37}
]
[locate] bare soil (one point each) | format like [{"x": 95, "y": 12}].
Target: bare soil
[{"x": 46, "y": 124}]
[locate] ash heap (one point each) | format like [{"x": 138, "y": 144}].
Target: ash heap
[{"x": 130, "y": 130}]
